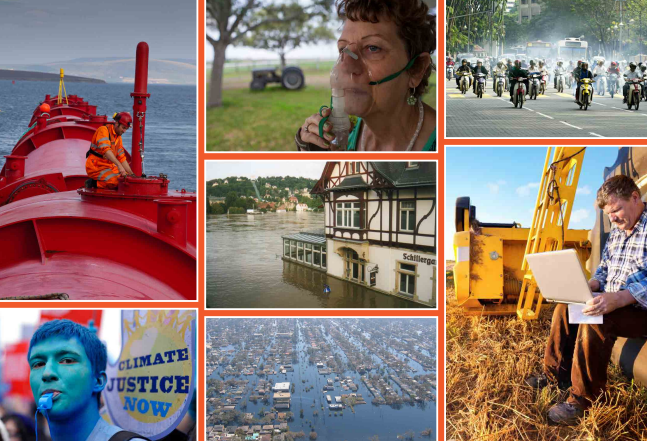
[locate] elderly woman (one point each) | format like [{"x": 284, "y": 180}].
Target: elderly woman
[{"x": 384, "y": 66}]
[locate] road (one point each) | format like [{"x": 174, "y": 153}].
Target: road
[{"x": 552, "y": 116}]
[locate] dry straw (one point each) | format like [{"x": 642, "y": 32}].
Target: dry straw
[{"x": 487, "y": 360}]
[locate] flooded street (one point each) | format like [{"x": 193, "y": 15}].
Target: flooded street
[{"x": 245, "y": 269}]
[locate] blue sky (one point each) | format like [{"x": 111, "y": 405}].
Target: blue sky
[{"x": 502, "y": 183}]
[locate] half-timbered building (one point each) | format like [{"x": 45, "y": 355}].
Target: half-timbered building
[{"x": 380, "y": 226}]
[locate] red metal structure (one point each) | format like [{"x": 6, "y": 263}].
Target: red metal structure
[{"x": 134, "y": 243}]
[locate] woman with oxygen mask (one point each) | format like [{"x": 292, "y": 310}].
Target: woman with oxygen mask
[{"x": 380, "y": 76}]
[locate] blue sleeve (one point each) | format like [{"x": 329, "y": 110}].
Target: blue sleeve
[{"x": 637, "y": 286}]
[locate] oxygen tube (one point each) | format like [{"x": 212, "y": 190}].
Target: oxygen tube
[
  {"x": 44, "y": 404},
  {"x": 338, "y": 115}
]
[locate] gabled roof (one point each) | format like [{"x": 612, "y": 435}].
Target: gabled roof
[{"x": 401, "y": 175}]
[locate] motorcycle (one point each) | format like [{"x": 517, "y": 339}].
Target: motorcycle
[
  {"x": 500, "y": 84},
  {"x": 613, "y": 84},
  {"x": 560, "y": 82},
  {"x": 450, "y": 72},
  {"x": 569, "y": 80},
  {"x": 644, "y": 89},
  {"x": 465, "y": 81},
  {"x": 602, "y": 84},
  {"x": 634, "y": 93},
  {"x": 519, "y": 92},
  {"x": 586, "y": 93},
  {"x": 542, "y": 85},
  {"x": 534, "y": 84},
  {"x": 480, "y": 84}
]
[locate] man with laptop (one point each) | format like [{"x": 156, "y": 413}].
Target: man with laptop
[{"x": 577, "y": 355}]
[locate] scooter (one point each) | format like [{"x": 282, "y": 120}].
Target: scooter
[
  {"x": 613, "y": 84},
  {"x": 465, "y": 81},
  {"x": 586, "y": 93},
  {"x": 601, "y": 87},
  {"x": 634, "y": 93},
  {"x": 534, "y": 84},
  {"x": 450, "y": 72},
  {"x": 500, "y": 84},
  {"x": 542, "y": 85},
  {"x": 480, "y": 84},
  {"x": 560, "y": 82},
  {"x": 644, "y": 89},
  {"x": 519, "y": 92}
]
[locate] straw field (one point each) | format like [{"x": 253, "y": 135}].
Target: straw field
[{"x": 487, "y": 360}]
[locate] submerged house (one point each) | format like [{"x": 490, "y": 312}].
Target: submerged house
[{"x": 379, "y": 227}]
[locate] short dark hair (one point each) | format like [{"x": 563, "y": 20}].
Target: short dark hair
[
  {"x": 416, "y": 26},
  {"x": 619, "y": 186},
  {"x": 94, "y": 348}
]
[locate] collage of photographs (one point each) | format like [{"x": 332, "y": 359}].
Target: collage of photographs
[{"x": 256, "y": 220}]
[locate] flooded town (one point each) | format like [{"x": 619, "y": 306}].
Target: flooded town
[
  {"x": 342, "y": 235},
  {"x": 329, "y": 379}
]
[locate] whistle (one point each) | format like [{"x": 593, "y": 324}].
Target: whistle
[{"x": 45, "y": 401}]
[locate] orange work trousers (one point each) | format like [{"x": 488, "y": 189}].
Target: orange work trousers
[{"x": 104, "y": 172}]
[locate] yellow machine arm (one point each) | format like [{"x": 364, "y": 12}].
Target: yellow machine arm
[{"x": 550, "y": 219}]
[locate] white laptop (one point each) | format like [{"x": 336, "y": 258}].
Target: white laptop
[{"x": 560, "y": 276}]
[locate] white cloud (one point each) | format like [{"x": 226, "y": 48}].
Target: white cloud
[
  {"x": 524, "y": 190},
  {"x": 578, "y": 216},
  {"x": 583, "y": 190},
  {"x": 495, "y": 186}
]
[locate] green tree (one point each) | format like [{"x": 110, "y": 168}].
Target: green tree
[
  {"x": 232, "y": 20},
  {"x": 231, "y": 199},
  {"x": 281, "y": 36}
]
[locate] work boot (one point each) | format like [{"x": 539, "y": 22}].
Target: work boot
[
  {"x": 566, "y": 414},
  {"x": 541, "y": 381},
  {"x": 90, "y": 183}
]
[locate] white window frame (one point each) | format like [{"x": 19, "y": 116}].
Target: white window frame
[
  {"x": 409, "y": 275},
  {"x": 410, "y": 212},
  {"x": 348, "y": 214}
]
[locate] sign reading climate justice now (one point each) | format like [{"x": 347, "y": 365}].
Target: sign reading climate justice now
[{"x": 150, "y": 387}]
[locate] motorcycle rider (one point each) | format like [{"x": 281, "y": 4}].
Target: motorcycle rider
[
  {"x": 464, "y": 67},
  {"x": 615, "y": 69},
  {"x": 499, "y": 69},
  {"x": 559, "y": 70},
  {"x": 517, "y": 72},
  {"x": 479, "y": 68},
  {"x": 543, "y": 70},
  {"x": 600, "y": 70},
  {"x": 633, "y": 73},
  {"x": 583, "y": 73}
]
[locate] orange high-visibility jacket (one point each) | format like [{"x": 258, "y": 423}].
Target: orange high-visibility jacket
[{"x": 106, "y": 138}]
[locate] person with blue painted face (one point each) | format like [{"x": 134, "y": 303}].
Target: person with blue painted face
[{"x": 67, "y": 375}]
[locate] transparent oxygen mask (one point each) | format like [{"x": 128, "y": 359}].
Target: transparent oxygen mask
[{"x": 350, "y": 95}]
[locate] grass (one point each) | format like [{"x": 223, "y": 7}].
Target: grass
[
  {"x": 487, "y": 360},
  {"x": 267, "y": 120}
]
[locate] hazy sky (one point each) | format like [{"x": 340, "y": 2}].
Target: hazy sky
[
  {"x": 41, "y": 31},
  {"x": 323, "y": 51},
  {"x": 299, "y": 169}
]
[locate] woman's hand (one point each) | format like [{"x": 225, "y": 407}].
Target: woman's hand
[{"x": 310, "y": 130}]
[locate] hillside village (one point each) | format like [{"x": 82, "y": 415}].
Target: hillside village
[{"x": 238, "y": 195}]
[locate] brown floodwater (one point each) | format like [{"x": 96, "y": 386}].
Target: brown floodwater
[{"x": 245, "y": 269}]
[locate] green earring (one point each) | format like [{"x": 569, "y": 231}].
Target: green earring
[{"x": 412, "y": 100}]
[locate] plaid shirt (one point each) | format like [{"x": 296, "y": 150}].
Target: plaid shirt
[{"x": 624, "y": 262}]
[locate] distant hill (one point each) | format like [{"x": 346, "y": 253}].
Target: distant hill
[
  {"x": 24, "y": 75},
  {"x": 243, "y": 186},
  {"x": 118, "y": 70}
]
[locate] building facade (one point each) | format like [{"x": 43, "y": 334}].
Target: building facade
[{"x": 380, "y": 226}]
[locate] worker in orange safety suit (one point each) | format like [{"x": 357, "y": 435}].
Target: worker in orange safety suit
[{"x": 106, "y": 159}]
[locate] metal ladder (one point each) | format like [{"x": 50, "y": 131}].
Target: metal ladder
[{"x": 550, "y": 219}]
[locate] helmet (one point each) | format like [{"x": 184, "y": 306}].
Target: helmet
[
  {"x": 464, "y": 61},
  {"x": 560, "y": 62},
  {"x": 500, "y": 64},
  {"x": 123, "y": 118},
  {"x": 532, "y": 62},
  {"x": 632, "y": 65},
  {"x": 585, "y": 65},
  {"x": 614, "y": 64},
  {"x": 517, "y": 63},
  {"x": 479, "y": 61}
]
